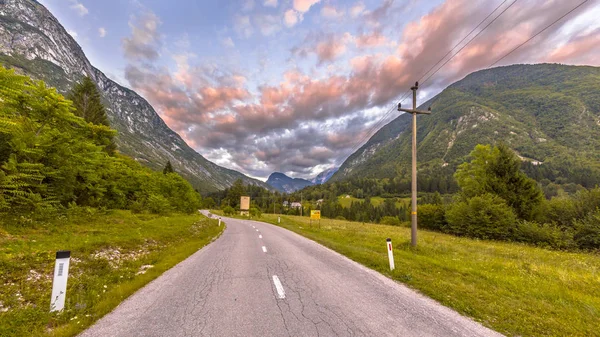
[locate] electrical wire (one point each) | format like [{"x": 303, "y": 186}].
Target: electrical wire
[{"x": 378, "y": 124}]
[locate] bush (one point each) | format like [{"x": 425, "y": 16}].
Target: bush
[
  {"x": 339, "y": 217},
  {"x": 485, "y": 217},
  {"x": 228, "y": 210},
  {"x": 255, "y": 212},
  {"x": 560, "y": 211},
  {"x": 158, "y": 204},
  {"x": 543, "y": 235},
  {"x": 587, "y": 235},
  {"x": 432, "y": 217},
  {"x": 390, "y": 221}
]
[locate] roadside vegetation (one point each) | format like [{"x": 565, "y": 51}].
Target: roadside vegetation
[
  {"x": 65, "y": 186},
  {"x": 513, "y": 288},
  {"x": 113, "y": 254}
]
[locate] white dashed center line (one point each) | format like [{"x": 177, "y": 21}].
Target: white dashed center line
[
  {"x": 260, "y": 236},
  {"x": 279, "y": 287},
  {"x": 257, "y": 230},
  {"x": 264, "y": 249}
]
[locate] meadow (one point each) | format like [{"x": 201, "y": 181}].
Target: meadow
[{"x": 113, "y": 254}]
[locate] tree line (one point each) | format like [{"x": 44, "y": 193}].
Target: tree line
[{"x": 59, "y": 153}]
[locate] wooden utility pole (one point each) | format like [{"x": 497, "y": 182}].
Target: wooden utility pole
[{"x": 414, "y": 112}]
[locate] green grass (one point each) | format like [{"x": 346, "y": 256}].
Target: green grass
[
  {"x": 515, "y": 289},
  {"x": 375, "y": 201},
  {"x": 99, "y": 276}
]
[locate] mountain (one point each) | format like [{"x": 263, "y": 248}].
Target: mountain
[
  {"x": 324, "y": 176},
  {"x": 283, "y": 183},
  {"x": 548, "y": 113},
  {"x": 34, "y": 43}
]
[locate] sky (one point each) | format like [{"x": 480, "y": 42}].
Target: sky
[{"x": 296, "y": 86}]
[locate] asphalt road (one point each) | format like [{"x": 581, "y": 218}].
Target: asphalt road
[{"x": 262, "y": 280}]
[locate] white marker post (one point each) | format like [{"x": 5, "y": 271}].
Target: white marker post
[
  {"x": 278, "y": 219},
  {"x": 219, "y": 221},
  {"x": 59, "y": 284},
  {"x": 390, "y": 253}
]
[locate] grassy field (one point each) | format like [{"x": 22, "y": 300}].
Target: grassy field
[
  {"x": 515, "y": 289},
  {"x": 112, "y": 255},
  {"x": 375, "y": 201}
]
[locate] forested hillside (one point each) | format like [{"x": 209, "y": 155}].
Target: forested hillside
[
  {"x": 548, "y": 113},
  {"x": 35, "y": 43},
  {"x": 56, "y": 154}
]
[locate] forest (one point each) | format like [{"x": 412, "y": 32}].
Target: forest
[{"x": 58, "y": 153}]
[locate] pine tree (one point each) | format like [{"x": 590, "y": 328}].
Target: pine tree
[
  {"x": 88, "y": 105},
  {"x": 168, "y": 168}
]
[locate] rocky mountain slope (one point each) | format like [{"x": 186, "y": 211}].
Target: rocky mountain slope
[
  {"x": 34, "y": 43},
  {"x": 548, "y": 113},
  {"x": 324, "y": 176},
  {"x": 283, "y": 183}
]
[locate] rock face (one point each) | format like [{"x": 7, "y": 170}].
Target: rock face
[
  {"x": 33, "y": 42},
  {"x": 548, "y": 113},
  {"x": 283, "y": 183}
]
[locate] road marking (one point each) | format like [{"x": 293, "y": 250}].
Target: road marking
[
  {"x": 279, "y": 287},
  {"x": 260, "y": 236},
  {"x": 264, "y": 249},
  {"x": 253, "y": 227},
  {"x": 257, "y": 230}
]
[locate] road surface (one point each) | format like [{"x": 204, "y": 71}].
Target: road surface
[{"x": 262, "y": 280}]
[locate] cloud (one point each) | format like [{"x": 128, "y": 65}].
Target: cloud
[
  {"x": 270, "y": 3},
  {"x": 374, "y": 39},
  {"x": 291, "y": 18},
  {"x": 268, "y": 24},
  {"x": 79, "y": 7},
  {"x": 311, "y": 119},
  {"x": 228, "y": 42},
  {"x": 357, "y": 10},
  {"x": 102, "y": 32},
  {"x": 304, "y": 6},
  {"x": 242, "y": 26},
  {"x": 331, "y": 12},
  {"x": 145, "y": 39},
  {"x": 72, "y": 33},
  {"x": 327, "y": 47}
]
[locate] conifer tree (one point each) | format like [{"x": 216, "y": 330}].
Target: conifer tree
[
  {"x": 88, "y": 105},
  {"x": 168, "y": 168}
]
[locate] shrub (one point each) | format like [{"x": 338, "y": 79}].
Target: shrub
[
  {"x": 158, "y": 204},
  {"x": 432, "y": 217},
  {"x": 390, "y": 221},
  {"x": 486, "y": 217},
  {"x": 560, "y": 211},
  {"x": 587, "y": 235},
  {"x": 543, "y": 235},
  {"x": 228, "y": 210},
  {"x": 339, "y": 217},
  {"x": 255, "y": 212}
]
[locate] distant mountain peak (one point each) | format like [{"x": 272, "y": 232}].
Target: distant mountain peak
[{"x": 283, "y": 183}]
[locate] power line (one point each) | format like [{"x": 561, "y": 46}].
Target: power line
[
  {"x": 538, "y": 33},
  {"x": 535, "y": 35},
  {"x": 473, "y": 38},
  {"x": 407, "y": 93}
]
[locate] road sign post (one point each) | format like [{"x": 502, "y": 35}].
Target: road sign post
[
  {"x": 390, "y": 253},
  {"x": 59, "y": 283}
]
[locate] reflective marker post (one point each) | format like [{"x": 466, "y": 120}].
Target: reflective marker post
[
  {"x": 390, "y": 253},
  {"x": 59, "y": 284},
  {"x": 219, "y": 221}
]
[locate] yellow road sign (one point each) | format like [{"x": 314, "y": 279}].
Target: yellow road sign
[{"x": 315, "y": 214}]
